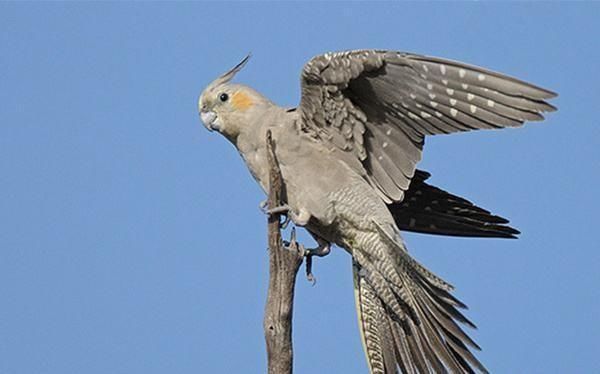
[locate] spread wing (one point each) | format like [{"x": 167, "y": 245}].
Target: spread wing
[{"x": 379, "y": 105}]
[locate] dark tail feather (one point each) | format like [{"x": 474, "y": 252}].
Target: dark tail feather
[{"x": 430, "y": 210}]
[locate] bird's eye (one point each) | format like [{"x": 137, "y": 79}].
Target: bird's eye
[{"x": 223, "y": 97}]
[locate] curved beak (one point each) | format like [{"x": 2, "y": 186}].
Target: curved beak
[{"x": 209, "y": 118}]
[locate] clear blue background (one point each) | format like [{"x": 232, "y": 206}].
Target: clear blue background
[{"x": 130, "y": 237}]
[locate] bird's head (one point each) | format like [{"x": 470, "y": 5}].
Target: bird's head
[{"x": 230, "y": 108}]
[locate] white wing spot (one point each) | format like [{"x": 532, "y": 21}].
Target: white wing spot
[
  {"x": 413, "y": 116},
  {"x": 433, "y": 104},
  {"x": 453, "y": 102},
  {"x": 454, "y": 112},
  {"x": 481, "y": 77},
  {"x": 429, "y": 86},
  {"x": 423, "y": 76},
  {"x": 425, "y": 67},
  {"x": 462, "y": 73},
  {"x": 491, "y": 103},
  {"x": 385, "y": 144},
  {"x": 432, "y": 96},
  {"x": 380, "y": 158},
  {"x": 388, "y": 132},
  {"x": 473, "y": 108},
  {"x": 450, "y": 91},
  {"x": 445, "y": 82},
  {"x": 419, "y": 105},
  {"x": 438, "y": 113},
  {"x": 443, "y": 69},
  {"x": 464, "y": 86},
  {"x": 425, "y": 115},
  {"x": 413, "y": 96},
  {"x": 470, "y": 97},
  {"x": 404, "y": 105}
]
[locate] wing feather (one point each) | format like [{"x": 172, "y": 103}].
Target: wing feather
[{"x": 381, "y": 104}]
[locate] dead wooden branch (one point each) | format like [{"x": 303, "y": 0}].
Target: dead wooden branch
[{"x": 283, "y": 267}]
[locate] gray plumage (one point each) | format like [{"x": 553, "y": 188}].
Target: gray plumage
[
  {"x": 361, "y": 100},
  {"x": 348, "y": 157}
]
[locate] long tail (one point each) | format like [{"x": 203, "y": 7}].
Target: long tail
[
  {"x": 408, "y": 319},
  {"x": 428, "y": 209}
]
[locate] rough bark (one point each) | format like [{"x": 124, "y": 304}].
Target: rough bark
[{"x": 283, "y": 267}]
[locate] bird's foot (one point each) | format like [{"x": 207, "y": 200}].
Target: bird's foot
[
  {"x": 322, "y": 250},
  {"x": 283, "y": 210}
]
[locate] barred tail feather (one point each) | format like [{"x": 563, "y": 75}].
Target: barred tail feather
[
  {"x": 417, "y": 332},
  {"x": 370, "y": 314}
]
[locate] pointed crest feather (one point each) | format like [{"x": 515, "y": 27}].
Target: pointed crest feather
[{"x": 231, "y": 73}]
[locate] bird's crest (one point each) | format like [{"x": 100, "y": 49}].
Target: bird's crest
[{"x": 228, "y": 76}]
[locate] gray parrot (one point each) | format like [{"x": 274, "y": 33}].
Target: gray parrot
[{"x": 348, "y": 156}]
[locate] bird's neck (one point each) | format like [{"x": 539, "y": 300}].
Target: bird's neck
[{"x": 251, "y": 142}]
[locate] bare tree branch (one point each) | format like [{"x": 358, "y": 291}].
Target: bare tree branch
[{"x": 283, "y": 267}]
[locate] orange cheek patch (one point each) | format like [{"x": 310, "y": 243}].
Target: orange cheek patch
[{"x": 241, "y": 101}]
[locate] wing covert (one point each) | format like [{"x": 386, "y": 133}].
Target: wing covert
[{"x": 380, "y": 105}]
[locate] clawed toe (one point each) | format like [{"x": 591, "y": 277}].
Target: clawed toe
[
  {"x": 278, "y": 210},
  {"x": 322, "y": 250},
  {"x": 264, "y": 206}
]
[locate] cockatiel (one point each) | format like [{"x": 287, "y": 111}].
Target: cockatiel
[{"x": 348, "y": 155}]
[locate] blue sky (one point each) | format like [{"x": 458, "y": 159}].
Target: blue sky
[{"x": 131, "y": 240}]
